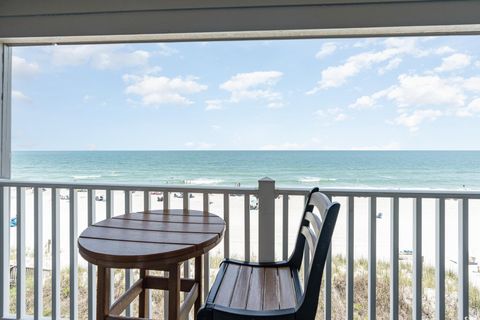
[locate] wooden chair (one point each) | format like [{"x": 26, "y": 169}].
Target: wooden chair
[{"x": 247, "y": 290}]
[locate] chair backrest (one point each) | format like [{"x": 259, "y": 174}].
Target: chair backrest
[{"x": 316, "y": 229}]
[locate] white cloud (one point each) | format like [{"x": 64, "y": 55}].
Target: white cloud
[
  {"x": 364, "y": 102},
  {"x": 20, "y": 96},
  {"x": 155, "y": 91},
  {"x": 165, "y": 50},
  {"x": 421, "y": 98},
  {"x": 444, "y": 50},
  {"x": 101, "y": 57},
  {"x": 199, "y": 145},
  {"x": 424, "y": 90},
  {"x": 471, "y": 109},
  {"x": 391, "y": 65},
  {"x": 213, "y": 104},
  {"x": 454, "y": 62},
  {"x": 336, "y": 76},
  {"x": 413, "y": 119},
  {"x": 326, "y": 50},
  {"x": 254, "y": 86},
  {"x": 284, "y": 146},
  {"x": 21, "y": 67},
  {"x": 388, "y": 146},
  {"x": 337, "y": 114}
]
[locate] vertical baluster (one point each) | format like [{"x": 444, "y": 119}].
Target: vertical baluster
[
  {"x": 226, "y": 215},
  {"x": 56, "y": 254},
  {"x": 372, "y": 258},
  {"x": 186, "y": 205},
  {"x": 350, "y": 255},
  {"x": 110, "y": 211},
  {"x": 38, "y": 252},
  {"x": 147, "y": 205},
  {"x": 285, "y": 227},
  {"x": 146, "y": 201},
  {"x": 166, "y": 201},
  {"x": 440, "y": 260},
  {"x": 4, "y": 252},
  {"x": 417, "y": 259},
  {"x": 206, "y": 256},
  {"x": 128, "y": 201},
  {"x": 394, "y": 230},
  {"x": 128, "y": 272},
  {"x": 110, "y": 203},
  {"x": 166, "y": 207},
  {"x": 91, "y": 212},
  {"x": 186, "y": 202},
  {"x": 73, "y": 254},
  {"x": 20, "y": 252},
  {"x": 463, "y": 259},
  {"x": 246, "y": 213}
]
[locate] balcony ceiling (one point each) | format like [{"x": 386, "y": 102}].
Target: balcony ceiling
[{"x": 90, "y": 21}]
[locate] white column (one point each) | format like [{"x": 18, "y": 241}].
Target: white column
[
  {"x": 266, "y": 220},
  {"x": 5, "y": 110}
]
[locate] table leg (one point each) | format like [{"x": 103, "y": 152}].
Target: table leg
[
  {"x": 103, "y": 292},
  {"x": 198, "y": 279},
  {"x": 143, "y": 300},
  {"x": 174, "y": 291}
]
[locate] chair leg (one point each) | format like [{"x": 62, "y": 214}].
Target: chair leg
[
  {"x": 103, "y": 292},
  {"x": 198, "y": 279},
  {"x": 143, "y": 299}
]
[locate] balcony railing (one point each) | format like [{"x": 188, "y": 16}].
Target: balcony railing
[{"x": 267, "y": 220}]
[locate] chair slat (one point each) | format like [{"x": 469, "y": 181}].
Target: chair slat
[
  {"x": 271, "y": 299},
  {"x": 311, "y": 238},
  {"x": 240, "y": 294},
  {"x": 320, "y": 201},
  {"x": 227, "y": 286},
  {"x": 286, "y": 288},
  {"x": 255, "y": 293},
  {"x": 315, "y": 221}
]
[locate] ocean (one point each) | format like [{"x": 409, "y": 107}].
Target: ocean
[{"x": 456, "y": 170}]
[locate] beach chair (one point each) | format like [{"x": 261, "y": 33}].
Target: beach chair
[{"x": 247, "y": 290}]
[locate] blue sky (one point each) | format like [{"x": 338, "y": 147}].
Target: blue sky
[{"x": 360, "y": 94}]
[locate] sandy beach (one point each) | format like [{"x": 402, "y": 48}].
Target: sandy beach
[{"x": 236, "y": 228}]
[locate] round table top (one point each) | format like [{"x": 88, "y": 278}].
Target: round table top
[{"x": 152, "y": 239}]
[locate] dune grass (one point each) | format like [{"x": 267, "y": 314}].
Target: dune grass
[{"x": 338, "y": 292}]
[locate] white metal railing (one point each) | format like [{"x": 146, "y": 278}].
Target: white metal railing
[{"x": 270, "y": 199}]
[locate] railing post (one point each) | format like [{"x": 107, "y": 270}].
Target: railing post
[{"x": 266, "y": 220}]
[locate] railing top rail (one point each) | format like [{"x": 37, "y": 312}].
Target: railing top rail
[
  {"x": 387, "y": 193},
  {"x": 129, "y": 187},
  {"x": 339, "y": 192}
]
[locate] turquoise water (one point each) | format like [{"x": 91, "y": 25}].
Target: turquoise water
[{"x": 378, "y": 169}]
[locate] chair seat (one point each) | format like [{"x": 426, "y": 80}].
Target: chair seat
[{"x": 254, "y": 287}]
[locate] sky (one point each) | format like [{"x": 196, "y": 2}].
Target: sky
[{"x": 405, "y": 93}]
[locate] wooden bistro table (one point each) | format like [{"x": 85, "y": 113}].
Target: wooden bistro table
[{"x": 153, "y": 240}]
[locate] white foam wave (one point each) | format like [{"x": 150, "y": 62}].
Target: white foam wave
[
  {"x": 315, "y": 179},
  {"x": 86, "y": 177},
  {"x": 203, "y": 181}
]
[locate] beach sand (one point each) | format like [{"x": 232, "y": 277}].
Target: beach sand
[{"x": 236, "y": 227}]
